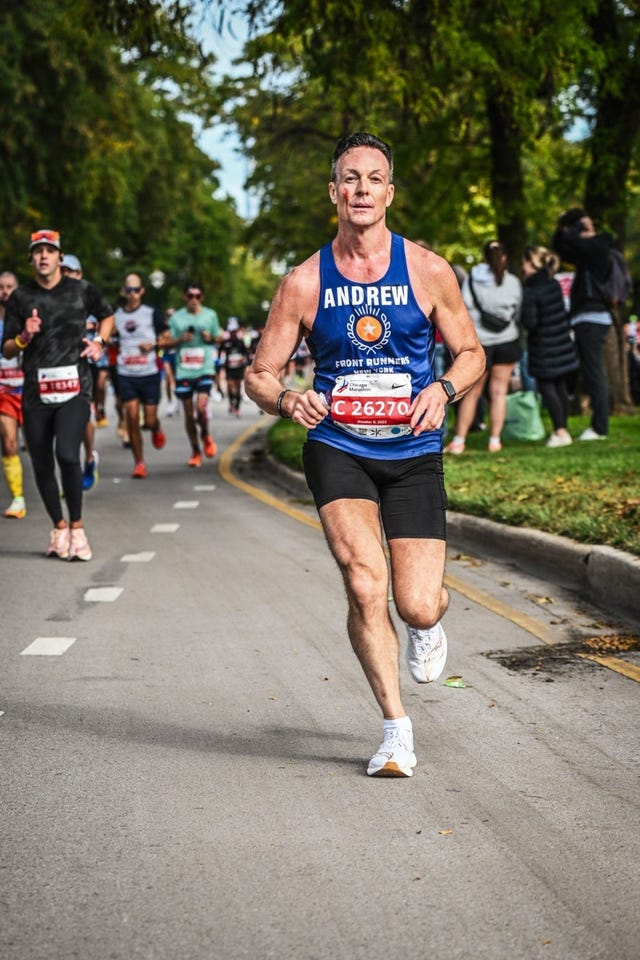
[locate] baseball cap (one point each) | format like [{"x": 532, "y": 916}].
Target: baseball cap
[
  {"x": 71, "y": 262},
  {"x": 233, "y": 324},
  {"x": 50, "y": 237}
]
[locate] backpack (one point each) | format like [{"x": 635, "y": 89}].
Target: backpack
[{"x": 616, "y": 287}]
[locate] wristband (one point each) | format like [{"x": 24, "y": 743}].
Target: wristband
[
  {"x": 19, "y": 343},
  {"x": 281, "y": 412},
  {"x": 98, "y": 339}
]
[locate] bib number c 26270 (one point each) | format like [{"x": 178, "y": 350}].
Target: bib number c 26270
[{"x": 374, "y": 405}]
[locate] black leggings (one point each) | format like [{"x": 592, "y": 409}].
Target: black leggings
[
  {"x": 64, "y": 424},
  {"x": 555, "y": 397}
]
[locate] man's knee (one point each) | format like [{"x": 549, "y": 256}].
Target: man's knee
[
  {"x": 366, "y": 586},
  {"x": 420, "y": 611}
]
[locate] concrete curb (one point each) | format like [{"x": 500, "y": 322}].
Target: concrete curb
[{"x": 608, "y": 578}]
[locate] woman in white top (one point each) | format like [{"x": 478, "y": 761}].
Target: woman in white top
[{"x": 493, "y": 297}]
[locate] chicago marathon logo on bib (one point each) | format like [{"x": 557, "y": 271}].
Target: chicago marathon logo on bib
[{"x": 368, "y": 329}]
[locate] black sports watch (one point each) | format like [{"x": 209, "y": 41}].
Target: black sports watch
[{"x": 448, "y": 388}]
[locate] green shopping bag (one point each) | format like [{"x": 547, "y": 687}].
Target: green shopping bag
[{"x": 523, "y": 420}]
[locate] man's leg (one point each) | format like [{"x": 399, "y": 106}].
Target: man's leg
[
  {"x": 12, "y": 466},
  {"x": 352, "y": 529},
  {"x": 132, "y": 413},
  {"x": 417, "y": 570}
]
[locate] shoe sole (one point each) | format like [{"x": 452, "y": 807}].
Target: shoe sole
[
  {"x": 390, "y": 770},
  {"x": 18, "y": 515}
]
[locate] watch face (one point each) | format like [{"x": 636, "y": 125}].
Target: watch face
[{"x": 448, "y": 389}]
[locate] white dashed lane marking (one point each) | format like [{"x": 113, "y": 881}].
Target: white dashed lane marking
[
  {"x": 145, "y": 557},
  {"x": 48, "y": 646},
  {"x": 204, "y": 486},
  {"x": 186, "y": 504},
  {"x": 102, "y": 594},
  {"x": 165, "y": 528}
]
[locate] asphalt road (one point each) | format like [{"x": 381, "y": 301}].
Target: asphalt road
[{"x": 185, "y": 778}]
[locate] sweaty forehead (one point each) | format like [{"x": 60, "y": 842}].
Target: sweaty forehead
[{"x": 367, "y": 159}]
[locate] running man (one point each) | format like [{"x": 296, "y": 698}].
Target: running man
[
  {"x": 139, "y": 328},
  {"x": 369, "y": 304},
  {"x": 235, "y": 358},
  {"x": 11, "y": 378},
  {"x": 71, "y": 267},
  {"x": 193, "y": 331},
  {"x": 45, "y": 324}
]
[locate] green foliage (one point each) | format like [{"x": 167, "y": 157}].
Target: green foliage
[
  {"x": 589, "y": 492},
  {"x": 100, "y": 144},
  {"x": 476, "y": 101}
]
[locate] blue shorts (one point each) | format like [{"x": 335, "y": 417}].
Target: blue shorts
[
  {"x": 187, "y": 387},
  {"x": 410, "y": 493},
  {"x": 144, "y": 389}
]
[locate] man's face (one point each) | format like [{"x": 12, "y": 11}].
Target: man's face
[
  {"x": 193, "y": 299},
  {"x": 68, "y": 272},
  {"x": 45, "y": 260},
  {"x": 133, "y": 291},
  {"x": 8, "y": 284},
  {"x": 362, "y": 191}
]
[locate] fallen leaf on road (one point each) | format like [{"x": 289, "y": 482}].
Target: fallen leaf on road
[
  {"x": 445, "y": 833},
  {"x": 455, "y": 682}
]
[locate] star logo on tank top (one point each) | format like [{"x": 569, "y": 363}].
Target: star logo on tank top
[{"x": 368, "y": 329}]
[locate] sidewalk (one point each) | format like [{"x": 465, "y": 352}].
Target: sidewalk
[{"x": 605, "y": 577}]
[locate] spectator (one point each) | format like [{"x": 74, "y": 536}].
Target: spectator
[
  {"x": 492, "y": 295},
  {"x": 577, "y": 242},
  {"x": 552, "y": 352}
]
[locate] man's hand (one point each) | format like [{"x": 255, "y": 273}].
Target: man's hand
[
  {"x": 93, "y": 350},
  {"x": 308, "y": 409},
  {"x": 428, "y": 410},
  {"x": 33, "y": 323}
]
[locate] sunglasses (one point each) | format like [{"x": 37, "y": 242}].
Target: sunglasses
[
  {"x": 45, "y": 236},
  {"x": 132, "y": 289},
  {"x": 194, "y": 296}
]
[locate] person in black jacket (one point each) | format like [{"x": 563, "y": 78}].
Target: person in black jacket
[
  {"x": 552, "y": 351},
  {"x": 577, "y": 242}
]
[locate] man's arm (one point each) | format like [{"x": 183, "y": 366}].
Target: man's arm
[{"x": 292, "y": 311}]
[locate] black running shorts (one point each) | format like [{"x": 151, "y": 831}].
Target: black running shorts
[{"x": 411, "y": 492}]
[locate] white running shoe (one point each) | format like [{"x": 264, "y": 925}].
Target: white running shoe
[
  {"x": 426, "y": 653},
  {"x": 559, "y": 440},
  {"x": 17, "y": 508},
  {"x": 395, "y": 756},
  {"x": 590, "y": 434}
]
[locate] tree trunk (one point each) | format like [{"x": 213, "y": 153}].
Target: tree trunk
[
  {"x": 507, "y": 182},
  {"x": 616, "y": 366}
]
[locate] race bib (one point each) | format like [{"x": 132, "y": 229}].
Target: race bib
[
  {"x": 372, "y": 405},
  {"x": 11, "y": 375},
  {"x": 135, "y": 360},
  {"x": 192, "y": 358},
  {"x": 58, "y": 384}
]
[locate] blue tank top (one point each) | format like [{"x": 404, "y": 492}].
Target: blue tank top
[{"x": 373, "y": 350}]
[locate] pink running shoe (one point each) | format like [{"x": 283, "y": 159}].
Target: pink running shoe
[
  {"x": 79, "y": 548},
  {"x": 59, "y": 543}
]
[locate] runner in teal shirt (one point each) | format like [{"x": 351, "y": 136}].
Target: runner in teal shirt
[{"x": 193, "y": 331}]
